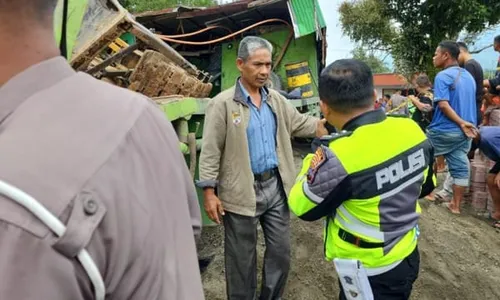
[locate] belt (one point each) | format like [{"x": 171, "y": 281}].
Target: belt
[
  {"x": 265, "y": 175},
  {"x": 355, "y": 240}
]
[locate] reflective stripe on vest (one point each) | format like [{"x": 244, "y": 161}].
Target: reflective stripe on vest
[
  {"x": 381, "y": 270},
  {"x": 355, "y": 226}
]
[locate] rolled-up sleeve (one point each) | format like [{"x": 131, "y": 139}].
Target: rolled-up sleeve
[
  {"x": 441, "y": 89},
  {"x": 33, "y": 270},
  {"x": 214, "y": 136}
]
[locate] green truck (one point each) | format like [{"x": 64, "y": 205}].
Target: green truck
[{"x": 182, "y": 56}]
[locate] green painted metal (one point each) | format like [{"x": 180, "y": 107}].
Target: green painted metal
[
  {"x": 302, "y": 49},
  {"x": 184, "y": 148},
  {"x": 179, "y": 108},
  {"x": 76, "y": 11},
  {"x": 128, "y": 38},
  {"x": 303, "y": 13}
]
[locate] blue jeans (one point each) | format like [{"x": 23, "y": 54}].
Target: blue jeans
[{"x": 454, "y": 146}]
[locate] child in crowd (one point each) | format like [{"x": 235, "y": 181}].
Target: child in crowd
[{"x": 490, "y": 103}]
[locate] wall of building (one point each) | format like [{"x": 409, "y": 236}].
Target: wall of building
[
  {"x": 302, "y": 49},
  {"x": 381, "y": 91}
]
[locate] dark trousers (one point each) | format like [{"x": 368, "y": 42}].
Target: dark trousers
[
  {"x": 240, "y": 245},
  {"x": 397, "y": 283}
]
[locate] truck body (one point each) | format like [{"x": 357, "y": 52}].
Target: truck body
[{"x": 109, "y": 43}]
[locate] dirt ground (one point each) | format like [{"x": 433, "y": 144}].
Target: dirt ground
[{"x": 460, "y": 259}]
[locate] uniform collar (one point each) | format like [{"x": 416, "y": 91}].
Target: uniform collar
[
  {"x": 370, "y": 117},
  {"x": 241, "y": 95},
  {"x": 30, "y": 81}
]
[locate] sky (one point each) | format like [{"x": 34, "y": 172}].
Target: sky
[{"x": 340, "y": 46}]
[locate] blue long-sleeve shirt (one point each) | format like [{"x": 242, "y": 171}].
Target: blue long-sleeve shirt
[{"x": 261, "y": 134}]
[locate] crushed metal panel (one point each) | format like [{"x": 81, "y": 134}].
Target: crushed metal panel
[
  {"x": 302, "y": 13},
  {"x": 76, "y": 12},
  {"x": 99, "y": 18}
]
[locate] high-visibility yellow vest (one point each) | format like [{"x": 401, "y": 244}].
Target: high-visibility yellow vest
[{"x": 367, "y": 183}]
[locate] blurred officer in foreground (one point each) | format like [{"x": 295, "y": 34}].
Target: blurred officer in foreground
[
  {"x": 366, "y": 181},
  {"x": 102, "y": 160}
]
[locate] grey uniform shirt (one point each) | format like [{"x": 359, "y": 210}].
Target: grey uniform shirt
[{"x": 107, "y": 163}]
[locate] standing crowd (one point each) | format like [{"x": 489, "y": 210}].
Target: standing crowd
[{"x": 369, "y": 200}]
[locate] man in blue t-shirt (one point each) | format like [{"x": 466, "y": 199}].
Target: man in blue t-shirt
[{"x": 452, "y": 126}]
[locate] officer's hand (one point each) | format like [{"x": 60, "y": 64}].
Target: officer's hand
[
  {"x": 213, "y": 206},
  {"x": 469, "y": 129},
  {"x": 321, "y": 129},
  {"x": 486, "y": 83}
]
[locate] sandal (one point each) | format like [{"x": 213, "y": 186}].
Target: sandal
[{"x": 430, "y": 197}]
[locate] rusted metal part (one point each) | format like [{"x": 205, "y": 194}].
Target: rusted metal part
[
  {"x": 154, "y": 42},
  {"x": 113, "y": 59},
  {"x": 285, "y": 47},
  {"x": 81, "y": 60},
  {"x": 155, "y": 75}
]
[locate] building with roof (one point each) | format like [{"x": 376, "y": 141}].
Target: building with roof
[{"x": 389, "y": 83}]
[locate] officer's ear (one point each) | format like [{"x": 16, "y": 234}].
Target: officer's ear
[
  {"x": 325, "y": 109},
  {"x": 374, "y": 96}
]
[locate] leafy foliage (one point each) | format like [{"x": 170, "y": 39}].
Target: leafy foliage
[
  {"x": 375, "y": 63},
  {"x": 410, "y": 30},
  {"x": 137, "y": 6}
]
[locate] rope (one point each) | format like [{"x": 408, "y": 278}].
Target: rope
[{"x": 403, "y": 104}]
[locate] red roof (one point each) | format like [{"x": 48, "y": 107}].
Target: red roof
[{"x": 389, "y": 79}]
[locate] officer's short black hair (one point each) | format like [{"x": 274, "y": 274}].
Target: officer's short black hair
[
  {"x": 450, "y": 47},
  {"x": 36, "y": 8},
  {"x": 463, "y": 46},
  {"x": 497, "y": 39},
  {"x": 346, "y": 84}
]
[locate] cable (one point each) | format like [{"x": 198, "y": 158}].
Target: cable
[
  {"x": 58, "y": 228},
  {"x": 196, "y": 32},
  {"x": 166, "y": 38}
]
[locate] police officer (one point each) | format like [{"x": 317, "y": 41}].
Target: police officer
[
  {"x": 102, "y": 160},
  {"x": 366, "y": 181}
]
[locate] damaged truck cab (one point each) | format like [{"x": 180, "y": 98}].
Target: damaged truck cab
[{"x": 182, "y": 56}]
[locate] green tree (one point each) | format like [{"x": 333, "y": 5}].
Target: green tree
[
  {"x": 137, "y": 6},
  {"x": 410, "y": 30},
  {"x": 375, "y": 63}
]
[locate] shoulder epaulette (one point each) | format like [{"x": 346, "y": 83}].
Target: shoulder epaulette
[
  {"x": 327, "y": 139},
  {"x": 334, "y": 136}
]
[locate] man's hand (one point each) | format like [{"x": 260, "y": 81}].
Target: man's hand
[
  {"x": 469, "y": 130},
  {"x": 213, "y": 205},
  {"x": 497, "y": 180},
  {"x": 486, "y": 83},
  {"x": 321, "y": 129}
]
